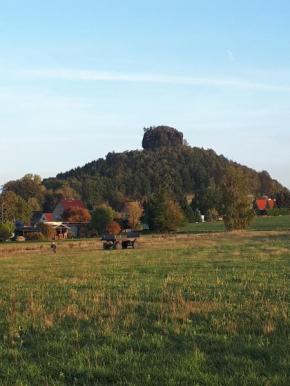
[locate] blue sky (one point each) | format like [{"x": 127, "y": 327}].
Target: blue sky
[{"x": 81, "y": 78}]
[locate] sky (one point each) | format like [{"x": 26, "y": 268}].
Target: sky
[{"x": 79, "y": 79}]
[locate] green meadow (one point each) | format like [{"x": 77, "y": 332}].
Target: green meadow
[
  {"x": 278, "y": 223},
  {"x": 207, "y": 309}
]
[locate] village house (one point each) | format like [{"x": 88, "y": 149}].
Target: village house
[{"x": 63, "y": 205}]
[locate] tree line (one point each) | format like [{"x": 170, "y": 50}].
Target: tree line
[{"x": 142, "y": 176}]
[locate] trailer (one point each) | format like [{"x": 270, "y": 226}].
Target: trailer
[{"x": 115, "y": 242}]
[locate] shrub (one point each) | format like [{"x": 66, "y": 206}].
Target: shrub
[
  {"x": 47, "y": 230},
  {"x": 113, "y": 228},
  {"x": 35, "y": 236},
  {"x": 284, "y": 211},
  {"x": 5, "y": 232}
]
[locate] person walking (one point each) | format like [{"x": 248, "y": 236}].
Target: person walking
[{"x": 53, "y": 247}]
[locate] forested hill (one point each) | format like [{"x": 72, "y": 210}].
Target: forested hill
[{"x": 135, "y": 174}]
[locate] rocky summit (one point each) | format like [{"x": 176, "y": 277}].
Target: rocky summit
[{"x": 161, "y": 136}]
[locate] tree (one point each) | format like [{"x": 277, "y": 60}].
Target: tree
[
  {"x": 47, "y": 230},
  {"x": 6, "y": 230},
  {"x": 236, "y": 200},
  {"x": 27, "y": 187},
  {"x": 14, "y": 207},
  {"x": 101, "y": 217},
  {"x": 207, "y": 198},
  {"x": 113, "y": 228},
  {"x": 66, "y": 191},
  {"x": 33, "y": 204},
  {"x": 134, "y": 212},
  {"x": 93, "y": 192},
  {"x": 175, "y": 216},
  {"x": 283, "y": 199},
  {"x": 187, "y": 210},
  {"x": 75, "y": 214},
  {"x": 162, "y": 213}
]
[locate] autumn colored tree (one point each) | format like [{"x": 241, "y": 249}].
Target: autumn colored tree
[
  {"x": 113, "y": 228},
  {"x": 75, "y": 214},
  {"x": 175, "y": 216},
  {"x": 236, "y": 200},
  {"x": 47, "y": 230},
  {"x": 134, "y": 212}
]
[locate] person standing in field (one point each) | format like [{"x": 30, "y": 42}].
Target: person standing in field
[{"x": 53, "y": 247}]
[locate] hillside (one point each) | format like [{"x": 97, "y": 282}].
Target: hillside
[{"x": 135, "y": 174}]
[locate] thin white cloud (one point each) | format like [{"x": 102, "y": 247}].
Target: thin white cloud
[
  {"x": 82, "y": 75},
  {"x": 231, "y": 56}
]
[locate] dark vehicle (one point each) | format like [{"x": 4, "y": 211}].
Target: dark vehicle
[{"x": 115, "y": 242}]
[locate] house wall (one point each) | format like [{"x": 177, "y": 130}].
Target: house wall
[{"x": 57, "y": 213}]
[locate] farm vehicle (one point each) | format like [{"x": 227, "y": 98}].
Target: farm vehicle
[{"x": 115, "y": 242}]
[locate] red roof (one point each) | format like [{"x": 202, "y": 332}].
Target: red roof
[
  {"x": 262, "y": 203},
  {"x": 66, "y": 204},
  {"x": 48, "y": 216}
]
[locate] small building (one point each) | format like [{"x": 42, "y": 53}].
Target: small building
[
  {"x": 264, "y": 203},
  {"x": 63, "y": 205}
]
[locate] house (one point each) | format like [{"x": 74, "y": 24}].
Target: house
[
  {"x": 63, "y": 205},
  {"x": 265, "y": 203},
  {"x": 61, "y": 230},
  {"x": 39, "y": 216}
]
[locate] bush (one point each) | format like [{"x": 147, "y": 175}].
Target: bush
[
  {"x": 269, "y": 212},
  {"x": 113, "y": 228},
  {"x": 47, "y": 230},
  {"x": 284, "y": 211},
  {"x": 5, "y": 232},
  {"x": 35, "y": 236}
]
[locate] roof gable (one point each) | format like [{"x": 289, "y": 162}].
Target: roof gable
[
  {"x": 262, "y": 203},
  {"x": 48, "y": 216}
]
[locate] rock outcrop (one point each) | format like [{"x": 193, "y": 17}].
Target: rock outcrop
[{"x": 162, "y": 136}]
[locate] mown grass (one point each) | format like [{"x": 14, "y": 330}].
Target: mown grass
[
  {"x": 207, "y": 310},
  {"x": 260, "y": 224}
]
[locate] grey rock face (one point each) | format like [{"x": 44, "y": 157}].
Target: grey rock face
[{"x": 162, "y": 136}]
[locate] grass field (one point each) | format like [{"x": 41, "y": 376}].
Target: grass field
[
  {"x": 260, "y": 224},
  {"x": 211, "y": 309}
]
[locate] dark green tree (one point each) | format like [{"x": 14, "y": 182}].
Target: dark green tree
[
  {"x": 101, "y": 218},
  {"x": 162, "y": 213}
]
